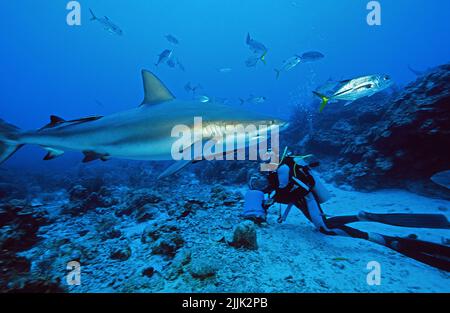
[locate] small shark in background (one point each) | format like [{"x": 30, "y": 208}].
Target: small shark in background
[
  {"x": 141, "y": 133},
  {"x": 107, "y": 24},
  {"x": 357, "y": 88},
  {"x": 172, "y": 39}
]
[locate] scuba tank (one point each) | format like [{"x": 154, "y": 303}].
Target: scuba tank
[
  {"x": 283, "y": 176},
  {"x": 318, "y": 189}
]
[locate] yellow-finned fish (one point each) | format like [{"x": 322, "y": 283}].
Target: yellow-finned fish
[{"x": 357, "y": 88}]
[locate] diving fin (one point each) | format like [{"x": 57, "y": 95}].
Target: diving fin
[
  {"x": 438, "y": 221},
  {"x": 430, "y": 253}
]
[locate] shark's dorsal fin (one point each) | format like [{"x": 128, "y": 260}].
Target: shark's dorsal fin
[
  {"x": 58, "y": 121},
  {"x": 155, "y": 91},
  {"x": 54, "y": 120}
]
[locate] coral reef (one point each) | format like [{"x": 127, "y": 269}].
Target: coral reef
[{"x": 245, "y": 236}]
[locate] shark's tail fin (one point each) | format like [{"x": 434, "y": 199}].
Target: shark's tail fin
[
  {"x": 93, "y": 17},
  {"x": 242, "y": 101},
  {"x": 324, "y": 98},
  {"x": 8, "y": 140}
]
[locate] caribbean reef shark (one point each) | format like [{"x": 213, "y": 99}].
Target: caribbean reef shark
[{"x": 142, "y": 133}]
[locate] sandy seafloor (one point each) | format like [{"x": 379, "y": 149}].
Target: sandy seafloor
[{"x": 292, "y": 257}]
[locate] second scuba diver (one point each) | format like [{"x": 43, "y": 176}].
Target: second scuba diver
[{"x": 295, "y": 183}]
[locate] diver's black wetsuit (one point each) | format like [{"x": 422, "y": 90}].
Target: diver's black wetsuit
[
  {"x": 298, "y": 192},
  {"x": 304, "y": 199}
]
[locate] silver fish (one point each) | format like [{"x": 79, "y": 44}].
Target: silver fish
[
  {"x": 203, "y": 99},
  {"x": 107, "y": 24},
  {"x": 357, "y": 88},
  {"x": 288, "y": 65},
  {"x": 311, "y": 56},
  {"x": 254, "y": 100},
  {"x": 255, "y": 46},
  {"x": 164, "y": 56}
]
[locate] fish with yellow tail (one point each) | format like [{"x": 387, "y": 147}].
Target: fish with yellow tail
[{"x": 356, "y": 88}]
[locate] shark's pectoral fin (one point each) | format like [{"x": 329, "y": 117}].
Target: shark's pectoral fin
[
  {"x": 175, "y": 168},
  {"x": 90, "y": 156},
  {"x": 52, "y": 153},
  {"x": 155, "y": 91}
]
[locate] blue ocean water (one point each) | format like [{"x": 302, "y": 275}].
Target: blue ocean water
[{"x": 51, "y": 68}]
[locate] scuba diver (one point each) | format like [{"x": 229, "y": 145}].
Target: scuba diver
[{"x": 295, "y": 183}]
